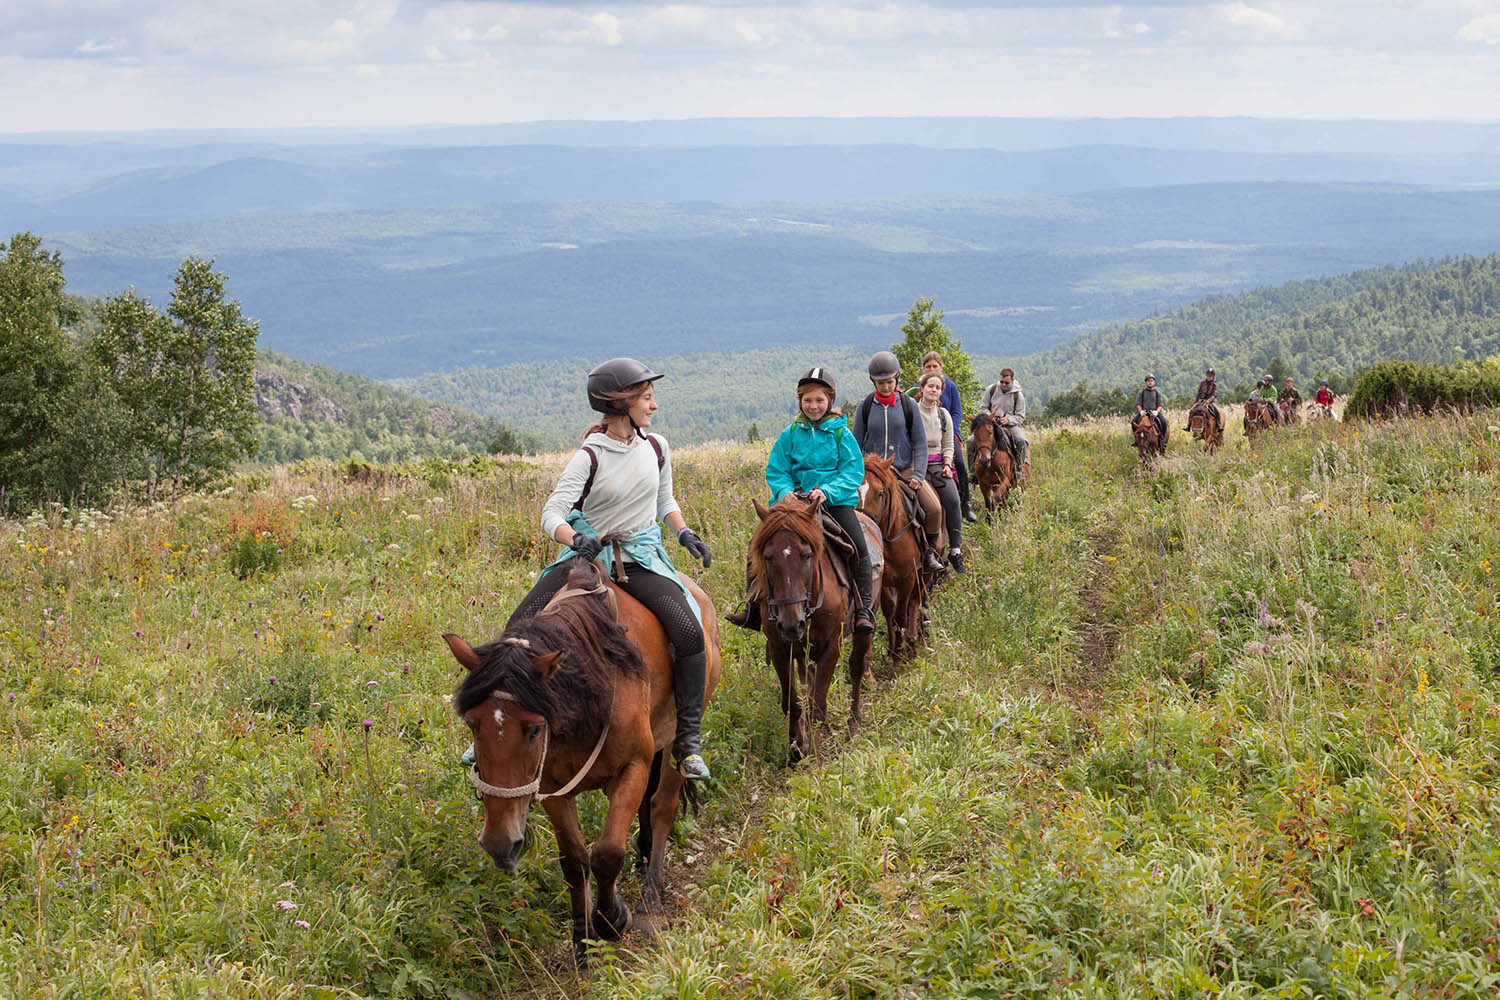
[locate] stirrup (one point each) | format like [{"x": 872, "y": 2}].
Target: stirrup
[{"x": 694, "y": 768}]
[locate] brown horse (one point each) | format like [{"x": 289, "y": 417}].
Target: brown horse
[
  {"x": 1290, "y": 415},
  {"x": 570, "y": 701},
  {"x": 1147, "y": 438},
  {"x": 994, "y": 469},
  {"x": 806, "y": 610},
  {"x": 882, "y": 500},
  {"x": 1207, "y": 425},
  {"x": 1257, "y": 417}
]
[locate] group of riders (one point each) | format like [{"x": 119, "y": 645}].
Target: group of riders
[
  {"x": 1282, "y": 403},
  {"x": 619, "y": 484}
]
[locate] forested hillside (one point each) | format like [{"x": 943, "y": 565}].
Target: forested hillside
[
  {"x": 310, "y": 411},
  {"x": 1435, "y": 311}
]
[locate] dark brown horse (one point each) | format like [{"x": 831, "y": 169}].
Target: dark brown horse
[
  {"x": 1147, "y": 438},
  {"x": 994, "y": 469},
  {"x": 1207, "y": 425},
  {"x": 882, "y": 500},
  {"x": 806, "y": 611},
  {"x": 1257, "y": 417},
  {"x": 570, "y": 701}
]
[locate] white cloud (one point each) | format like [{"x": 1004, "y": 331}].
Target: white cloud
[
  {"x": 92, "y": 48},
  {"x": 434, "y": 53},
  {"x": 1485, "y": 30},
  {"x": 1252, "y": 17}
]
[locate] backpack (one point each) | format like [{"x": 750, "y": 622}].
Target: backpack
[{"x": 588, "y": 484}]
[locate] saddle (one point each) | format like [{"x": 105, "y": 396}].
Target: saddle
[
  {"x": 838, "y": 543},
  {"x": 1209, "y": 409}
]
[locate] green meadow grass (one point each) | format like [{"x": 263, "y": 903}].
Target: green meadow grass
[{"x": 1224, "y": 728}]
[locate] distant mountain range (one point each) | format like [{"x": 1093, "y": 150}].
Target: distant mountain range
[{"x": 411, "y": 252}]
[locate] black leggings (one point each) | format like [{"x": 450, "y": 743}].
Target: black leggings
[
  {"x": 848, "y": 519},
  {"x": 661, "y": 596},
  {"x": 962, "y": 468},
  {"x": 947, "y": 491}
]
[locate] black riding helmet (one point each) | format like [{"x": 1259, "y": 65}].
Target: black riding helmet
[
  {"x": 884, "y": 365},
  {"x": 1209, "y": 373},
  {"x": 819, "y": 376},
  {"x": 615, "y": 376}
]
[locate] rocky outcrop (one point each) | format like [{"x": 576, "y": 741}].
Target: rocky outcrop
[{"x": 278, "y": 396}]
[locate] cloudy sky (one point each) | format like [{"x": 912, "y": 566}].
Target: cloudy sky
[{"x": 136, "y": 64}]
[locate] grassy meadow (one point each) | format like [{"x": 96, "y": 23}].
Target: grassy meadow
[{"x": 1225, "y": 728}]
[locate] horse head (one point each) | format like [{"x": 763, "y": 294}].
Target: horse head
[
  {"x": 982, "y": 427},
  {"x": 785, "y": 553},
  {"x": 504, "y": 702},
  {"x": 1144, "y": 429}
]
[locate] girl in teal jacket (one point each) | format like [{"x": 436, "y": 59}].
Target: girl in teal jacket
[{"x": 818, "y": 455}]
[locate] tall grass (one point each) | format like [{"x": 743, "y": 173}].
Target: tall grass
[{"x": 1279, "y": 777}]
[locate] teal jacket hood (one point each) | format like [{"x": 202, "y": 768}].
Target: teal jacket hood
[{"x": 824, "y": 455}]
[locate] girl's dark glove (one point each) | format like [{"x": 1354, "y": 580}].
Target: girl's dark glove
[
  {"x": 588, "y": 546},
  {"x": 689, "y": 540}
]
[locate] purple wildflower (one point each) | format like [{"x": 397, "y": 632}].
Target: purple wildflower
[{"x": 285, "y": 904}]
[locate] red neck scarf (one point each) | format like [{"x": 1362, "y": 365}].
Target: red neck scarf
[{"x": 886, "y": 400}]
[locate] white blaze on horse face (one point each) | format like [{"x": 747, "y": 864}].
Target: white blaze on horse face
[
  {"x": 864, "y": 491},
  {"x": 499, "y": 721},
  {"x": 787, "y": 551}
]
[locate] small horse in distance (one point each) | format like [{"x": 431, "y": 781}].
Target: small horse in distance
[
  {"x": 994, "y": 469},
  {"x": 1147, "y": 438},
  {"x": 1207, "y": 425},
  {"x": 901, "y": 593},
  {"x": 1257, "y": 418},
  {"x": 807, "y": 609},
  {"x": 574, "y": 699}
]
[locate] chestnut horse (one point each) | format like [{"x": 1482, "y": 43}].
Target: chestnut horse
[
  {"x": 570, "y": 701},
  {"x": 806, "y": 611},
  {"x": 1257, "y": 417},
  {"x": 1147, "y": 438},
  {"x": 994, "y": 469},
  {"x": 881, "y": 499},
  {"x": 1207, "y": 425}
]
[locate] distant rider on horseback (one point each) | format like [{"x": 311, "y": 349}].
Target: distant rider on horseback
[
  {"x": 932, "y": 362},
  {"x": 1149, "y": 400},
  {"x": 888, "y": 423},
  {"x": 1266, "y": 392},
  {"x": 1324, "y": 398},
  {"x": 620, "y": 481},
  {"x": 1005, "y": 400},
  {"x": 941, "y": 470},
  {"x": 1206, "y": 400},
  {"x": 1290, "y": 397}
]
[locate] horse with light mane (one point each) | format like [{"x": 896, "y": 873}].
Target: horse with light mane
[{"x": 902, "y": 590}]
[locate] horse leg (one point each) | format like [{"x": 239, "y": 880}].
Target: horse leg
[
  {"x": 791, "y": 706},
  {"x": 611, "y": 917},
  {"x": 661, "y": 810},
  {"x": 573, "y": 855},
  {"x": 859, "y": 662},
  {"x": 643, "y": 815}
]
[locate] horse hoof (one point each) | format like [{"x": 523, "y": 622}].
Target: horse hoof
[{"x": 613, "y": 927}]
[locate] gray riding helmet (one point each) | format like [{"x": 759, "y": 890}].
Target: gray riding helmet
[
  {"x": 884, "y": 365},
  {"x": 819, "y": 376},
  {"x": 616, "y": 375}
]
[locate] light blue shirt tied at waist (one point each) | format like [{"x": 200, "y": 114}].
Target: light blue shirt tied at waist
[{"x": 645, "y": 548}]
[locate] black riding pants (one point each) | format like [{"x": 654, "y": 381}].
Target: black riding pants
[
  {"x": 661, "y": 596},
  {"x": 961, "y": 467},
  {"x": 848, "y": 519},
  {"x": 947, "y": 491}
]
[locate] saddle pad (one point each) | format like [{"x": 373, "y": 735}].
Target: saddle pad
[{"x": 841, "y": 547}]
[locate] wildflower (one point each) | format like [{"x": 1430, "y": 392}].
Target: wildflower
[
  {"x": 285, "y": 904},
  {"x": 368, "y": 684},
  {"x": 367, "y": 724},
  {"x": 302, "y": 924},
  {"x": 287, "y": 885},
  {"x": 272, "y": 678}
]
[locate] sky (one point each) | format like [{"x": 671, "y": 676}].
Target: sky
[{"x": 154, "y": 64}]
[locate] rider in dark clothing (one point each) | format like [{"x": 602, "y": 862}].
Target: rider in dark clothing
[
  {"x": 1207, "y": 397},
  {"x": 1149, "y": 400}
]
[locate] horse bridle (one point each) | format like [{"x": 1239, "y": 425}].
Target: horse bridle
[
  {"x": 772, "y": 603},
  {"x": 531, "y": 790}
]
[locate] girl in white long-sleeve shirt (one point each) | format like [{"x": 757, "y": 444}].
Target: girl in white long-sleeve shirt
[{"x": 620, "y": 481}]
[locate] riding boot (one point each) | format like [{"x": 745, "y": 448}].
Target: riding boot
[
  {"x": 956, "y": 561},
  {"x": 864, "y": 615},
  {"x": 930, "y": 560},
  {"x": 688, "y": 675},
  {"x": 968, "y": 512},
  {"x": 749, "y": 616}
]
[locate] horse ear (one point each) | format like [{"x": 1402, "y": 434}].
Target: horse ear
[
  {"x": 462, "y": 651},
  {"x": 760, "y": 511},
  {"x": 546, "y": 664}
]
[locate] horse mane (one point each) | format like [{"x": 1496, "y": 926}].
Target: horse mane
[
  {"x": 579, "y": 696},
  {"x": 979, "y": 420},
  {"x": 883, "y": 470},
  {"x": 790, "y": 513}
]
